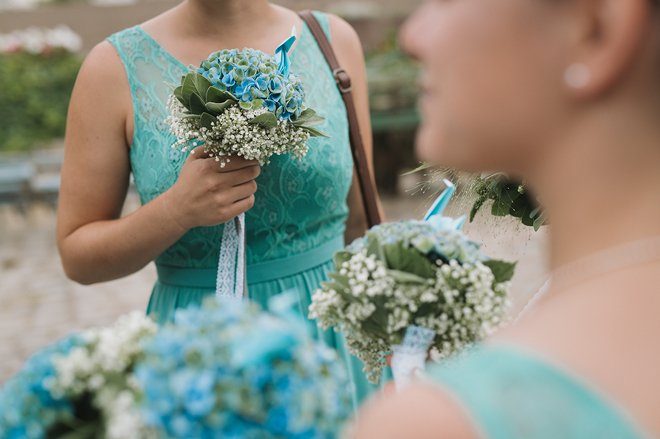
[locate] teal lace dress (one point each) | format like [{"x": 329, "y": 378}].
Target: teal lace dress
[
  {"x": 300, "y": 211},
  {"x": 509, "y": 394}
]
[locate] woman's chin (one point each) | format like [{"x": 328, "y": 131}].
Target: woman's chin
[
  {"x": 428, "y": 146},
  {"x": 432, "y": 148}
]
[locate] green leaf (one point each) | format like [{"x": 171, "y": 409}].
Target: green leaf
[
  {"x": 266, "y": 120},
  {"x": 500, "y": 208},
  {"x": 187, "y": 89},
  {"x": 307, "y": 114},
  {"x": 196, "y": 104},
  {"x": 526, "y": 219},
  {"x": 477, "y": 206},
  {"x": 522, "y": 209},
  {"x": 502, "y": 270},
  {"x": 409, "y": 260},
  {"x": 178, "y": 93},
  {"x": 376, "y": 325},
  {"x": 510, "y": 192},
  {"x": 374, "y": 247},
  {"x": 420, "y": 168},
  {"x": 340, "y": 257},
  {"x": 308, "y": 118},
  {"x": 314, "y": 132},
  {"x": 207, "y": 120},
  {"x": 214, "y": 94},
  {"x": 219, "y": 108},
  {"x": 201, "y": 84},
  {"x": 406, "y": 278},
  {"x": 539, "y": 221}
]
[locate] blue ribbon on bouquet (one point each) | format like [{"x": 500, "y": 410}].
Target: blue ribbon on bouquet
[
  {"x": 434, "y": 215},
  {"x": 231, "y": 276},
  {"x": 282, "y": 53}
]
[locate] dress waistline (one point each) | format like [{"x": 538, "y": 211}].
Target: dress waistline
[{"x": 256, "y": 273}]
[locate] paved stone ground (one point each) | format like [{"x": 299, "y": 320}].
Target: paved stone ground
[{"x": 39, "y": 304}]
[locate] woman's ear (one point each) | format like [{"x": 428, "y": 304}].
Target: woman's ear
[{"x": 610, "y": 34}]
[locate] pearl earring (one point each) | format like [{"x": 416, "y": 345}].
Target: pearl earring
[{"x": 577, "y": 75}]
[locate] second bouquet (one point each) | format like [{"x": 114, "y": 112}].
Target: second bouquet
[
  {"x": 243, "y": 103},
  {"x": 411, "y": 286}
]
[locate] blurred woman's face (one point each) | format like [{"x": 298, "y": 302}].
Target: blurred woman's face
[{"x": 492, "y": 89}]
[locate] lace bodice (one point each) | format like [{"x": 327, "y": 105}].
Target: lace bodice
[{"x": 299, "y": 204}]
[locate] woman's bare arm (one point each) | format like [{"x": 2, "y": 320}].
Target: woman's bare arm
[
  {"x": 96, "y": 244},
  {"x": 350, "y": 55}
]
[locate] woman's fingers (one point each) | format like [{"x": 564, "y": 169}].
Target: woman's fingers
[
  {"x": 240, "y": 192},
  {"x": 198, "y": 153},
  {"x": 243, "y": 175},
  {"x": 238, "y": 207},
  {"x": 236, "y": 163}
]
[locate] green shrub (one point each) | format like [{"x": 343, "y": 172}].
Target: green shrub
[{"x": 34, "y": 96}]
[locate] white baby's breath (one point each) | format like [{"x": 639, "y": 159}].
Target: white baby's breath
[
  {"x": 233, "y": 135},
  {"x": 373, "y": 304},
  {"x": 101, "y": 368}
]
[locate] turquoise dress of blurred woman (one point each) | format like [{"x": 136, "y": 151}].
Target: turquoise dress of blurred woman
[{"x": 300, "y": 212}]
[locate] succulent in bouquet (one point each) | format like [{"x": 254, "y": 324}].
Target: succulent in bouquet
[{"x": 422, "y": 282}]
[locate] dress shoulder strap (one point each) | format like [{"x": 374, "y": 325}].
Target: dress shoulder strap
[{"x": 128, "y": 43}]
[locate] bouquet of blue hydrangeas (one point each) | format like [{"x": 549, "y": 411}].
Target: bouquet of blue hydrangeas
[
  {"x": 80, "y": 387},
  {"x": 426, "y": 275},
  {"x": 28, "y": 408},
  {"x": 226, "y": 369},
  {"x": 243, "y": 103},
  {"x": 230, "y": 370}
]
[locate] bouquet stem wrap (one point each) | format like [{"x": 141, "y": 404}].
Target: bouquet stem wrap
[
  {"x": 409, "y": 358},
  {"x": 230, "y": 281}
]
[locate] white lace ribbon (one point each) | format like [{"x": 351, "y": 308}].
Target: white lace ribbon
[
  {"x": 409, "y": 358},
  {"x": 230, "y": 281}
]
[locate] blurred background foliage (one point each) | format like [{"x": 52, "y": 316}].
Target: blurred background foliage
[
  {"x": 34, "y": 97},
  {"x": 392, "y": 77}
]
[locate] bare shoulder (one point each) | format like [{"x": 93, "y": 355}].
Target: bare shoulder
[
  {"x": 420, "y": 412},
  {"x": 344, "y": 37},
  {"x": 102, "y": 75},
  {"x": 103, "y": 63},
  {"x": 102, "y": 78}
]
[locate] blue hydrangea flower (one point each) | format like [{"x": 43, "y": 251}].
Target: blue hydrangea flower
[
  {"x": 243, "y": 373},
  {"x": 427, "y": 237},
  {"x": 249, "y": 75},
  {"x": 28, "y": 409}
]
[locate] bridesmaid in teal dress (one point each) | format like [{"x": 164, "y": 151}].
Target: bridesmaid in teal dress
[
  {"x": 566, "y": 96},
  {"x": 300, "y": 210}
]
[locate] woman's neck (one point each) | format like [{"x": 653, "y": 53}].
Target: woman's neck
[
  {"x": 601, "y": 186},
  {"x": 215, "y": 18}
]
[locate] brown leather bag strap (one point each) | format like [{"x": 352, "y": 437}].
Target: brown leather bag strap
[{"x": 343, "y": 80}]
